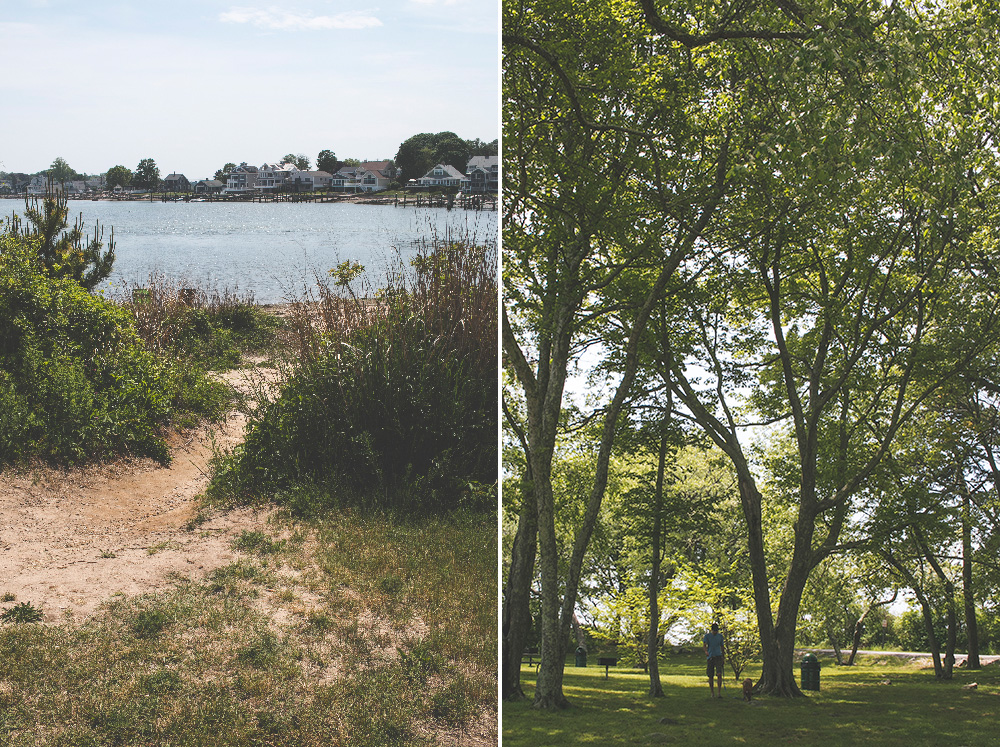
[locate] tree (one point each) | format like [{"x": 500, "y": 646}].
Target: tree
[
  {"x": 585, "y": 237},
  {"x": 420, "y": 153},
  {"x": 478, "y": 148},
  {"x": 223, "y": 173},
  {"x": 301, "y": 160},
  {"x": 327, "y": 161},
  {"x": 62, "y": 250},
  {"x": 60, "y": 171},
  {"x": 118, "y": 176},
  {"x": 811, "y": 181},
  {"x": 147, "y": 174}
]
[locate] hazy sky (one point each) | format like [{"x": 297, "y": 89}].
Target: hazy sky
[{"x": 194, "y": 84}]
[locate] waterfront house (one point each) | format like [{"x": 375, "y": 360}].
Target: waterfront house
[
  {"x": 272, "y": 177},
  {"x": 242, "y": 179},
  {"x": 208, "y": 187},
  {"x": 176, "y": 183},
  {"x": 369, "y": 176},
  {"x": 482, "y": 175},
  {"x": 309, "y": 181},
  {"x": 441, "y": 175}
]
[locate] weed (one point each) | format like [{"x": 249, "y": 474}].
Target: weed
[
  {"x": 23, "y": 612},
  {"x": 261, "y": 653},
  {"x": 256, "y": 542},
  {"x": 161, "y": 546},
  {"x": 420, "y": 661},
  {"x": 150, "y": 623},
  {"x": 108, "y": 554},
  {"x": 453, "y": 704},
  {"x": 8, "y": 597},
  {"x": 160, "y": 682}
]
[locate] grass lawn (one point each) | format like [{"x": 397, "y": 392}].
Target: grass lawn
[
  {"x": 852, "y": 707},
  {"x": 358, "y": 629}
]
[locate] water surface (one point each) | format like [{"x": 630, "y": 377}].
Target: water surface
[{"x": 270, "y": 249}]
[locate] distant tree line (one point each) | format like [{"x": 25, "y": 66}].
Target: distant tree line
[{"x": 416, "y": 156}]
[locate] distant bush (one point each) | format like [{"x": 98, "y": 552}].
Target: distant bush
[
  {"x": 393, "y": 401},
  {"x": 75, "y": 379}
]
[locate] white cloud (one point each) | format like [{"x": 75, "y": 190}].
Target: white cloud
[
  {"x": 437, "y": 2},
  {"x": 278, "y": 19}
]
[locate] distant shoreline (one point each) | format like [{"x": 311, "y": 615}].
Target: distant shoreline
[{"x": 486, "y": 202}]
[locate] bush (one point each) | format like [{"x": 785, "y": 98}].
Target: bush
[
  {"x": 75, "y": 379},
  {"x": 394, "y": 400}
]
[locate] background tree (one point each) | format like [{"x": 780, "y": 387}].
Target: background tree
[
  {"x": 478, "y": 148},
  {"x": 147, "y": 174},
  {"x": 301, "y": 160},
  {"x": 420, "y": 153},
  {"x": 327, "y": 161},
  {"x": 223, "y": 173},
  {"x": 118, "y": 176},
  {"x": 61, "y": 172}
]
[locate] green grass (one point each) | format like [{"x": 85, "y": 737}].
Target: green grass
[
  {"x": 853, "y": 707},
  {"x": 297, "y": 642}
]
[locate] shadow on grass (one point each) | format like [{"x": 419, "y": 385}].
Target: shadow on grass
[{"x": 891, "y": 704}]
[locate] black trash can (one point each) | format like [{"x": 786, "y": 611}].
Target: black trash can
[
  {"x": 581, "y": 656},
  {"x": 810, "y": 672}
]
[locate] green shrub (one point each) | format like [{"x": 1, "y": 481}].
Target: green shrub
[
  {"x": 394, "y": 403},
  {"x": 75, "y": 380},
  {"x": 23, "y": 612}
]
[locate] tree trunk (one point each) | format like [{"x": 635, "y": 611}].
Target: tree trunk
[
  {"x": 777, "y": 640},
  {"x": 516, "y": 612},
  {"x": 836, "y": 646},
  {"x": 968, "y": 596},
  {"x": 652, "y": 655},
  {"x": 859, "y": 626}
]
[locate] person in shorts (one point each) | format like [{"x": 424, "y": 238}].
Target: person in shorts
[{"x": 714, "y": 655}]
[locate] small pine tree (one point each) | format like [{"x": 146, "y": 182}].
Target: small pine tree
[{"x": 61, "y": 249}]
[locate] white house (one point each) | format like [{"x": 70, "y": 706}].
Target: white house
[
  {"x": 369, "y": 176},
  {"x": 442, "y": 175},
  {"x": 274, "y": 176},
  {"x": 482, "y": 174}
]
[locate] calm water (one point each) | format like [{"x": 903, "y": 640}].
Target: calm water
[{"x": 271, "y": 249}]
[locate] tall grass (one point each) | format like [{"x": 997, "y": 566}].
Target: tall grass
[
  {"x": 180, "y": 319},
  {"x": 392, "y": 400}
]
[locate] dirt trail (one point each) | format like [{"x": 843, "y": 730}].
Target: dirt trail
[{"x": 71, "y": 538}]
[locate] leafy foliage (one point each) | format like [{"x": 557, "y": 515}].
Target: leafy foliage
[
  {"x": 76, "y": 381},
  {"x": 394, "y": 403}
]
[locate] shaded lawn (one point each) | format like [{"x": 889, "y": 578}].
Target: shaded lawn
[{"x": 852, "y": 707}]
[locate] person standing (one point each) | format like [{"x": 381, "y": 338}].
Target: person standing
[{"x": 714, "y": 654}]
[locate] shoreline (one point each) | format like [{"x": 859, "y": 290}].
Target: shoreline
[{"x": 484, "y": 202}]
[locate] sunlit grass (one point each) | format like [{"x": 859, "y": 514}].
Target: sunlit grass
[
  {"x": 358, "y": 629},
  {"x": 853, "y": 707}
]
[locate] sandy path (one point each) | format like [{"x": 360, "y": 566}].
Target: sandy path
[{"x": 71, "y": 538}]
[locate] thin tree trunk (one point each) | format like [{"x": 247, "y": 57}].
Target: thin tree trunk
[
  {"x": 859, "y": 626},
  {"x": 968, "y": 595},
  {"x": 652, "y": 656},
  {"x": 949, "y": 589}
]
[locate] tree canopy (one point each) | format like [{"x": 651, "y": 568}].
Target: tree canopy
[
  {"x": 780, "y": 221},
  {"x": 327, "y": 161},
  {"x": 147, "y": 174}
]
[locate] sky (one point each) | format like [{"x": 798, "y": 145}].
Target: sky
[{"x": 196, "y": 84}]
